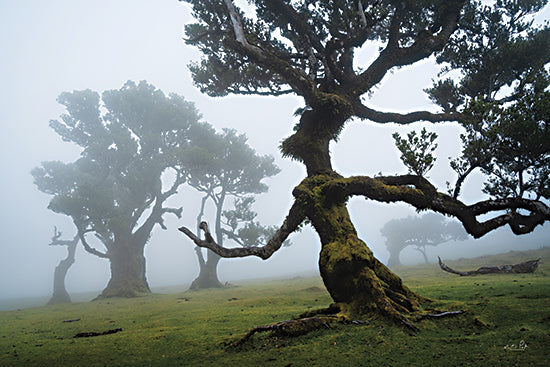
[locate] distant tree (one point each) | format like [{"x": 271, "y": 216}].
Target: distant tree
[
  {"x": 241, "y": 227},
  {"x": 115, "y": 190},
  {"x": 221, "y": 165},
  {"x": 492, "y": 51},
  {"x": 431, "y": 229},
  {"x": 60, "y": 294}
]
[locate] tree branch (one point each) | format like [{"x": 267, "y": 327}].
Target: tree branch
[
  {"x": 420, "y": 193},
  {"x": 297, "y": 79},
  {"x": 294, "y": 218},
  {"x": 297, "y": 22},
  {"x": 57, "y": 242},
  {"x": 426, "y": 42},
  {"x": 365, "y": 112},
  {"x": 82, "y": 235}
]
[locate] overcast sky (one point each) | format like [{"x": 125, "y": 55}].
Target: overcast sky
[{"x": 65, "y": 45}]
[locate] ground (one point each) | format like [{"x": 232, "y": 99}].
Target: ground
[{"x": 507, "y": 323}]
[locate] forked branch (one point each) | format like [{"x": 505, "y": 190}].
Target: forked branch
[{"x": 57, "y": 242}]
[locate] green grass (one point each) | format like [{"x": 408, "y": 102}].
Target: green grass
[{"x": 191, "y": 328}]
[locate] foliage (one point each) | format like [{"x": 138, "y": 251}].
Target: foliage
[
  {"x": 502, "y": 61},
  {"x": 416, "y": 151},
  {"x": 129, "y": 138},
  {"x": 241, "y": 227},
  {"x": 220, "y": 165},
  {"x": 489, "y": 54},
  {"x": 493, "y": 58},
  {"x": 192, "y": 328},
  {"x": 225, "y": 162},
  {"x": 510, "y": 143}
]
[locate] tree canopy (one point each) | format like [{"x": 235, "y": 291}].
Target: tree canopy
[
  {"x": 221, "y": 165},
  {"x": 129, "y": 137},
  {"x": 493, "y": 60}
]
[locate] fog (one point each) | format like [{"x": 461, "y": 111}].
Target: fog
[{"x": 61, "y": 45}]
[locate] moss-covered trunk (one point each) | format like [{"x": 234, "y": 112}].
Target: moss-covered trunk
[
  {"x": 360, "y": 285},
  {"x": 127, "y": 270}
]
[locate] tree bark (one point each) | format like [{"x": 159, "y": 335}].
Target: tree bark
[
  {"x": 360, "y": 285},
  {"x": 60, "y": 294},
  {"x": 127, "y": 264}
]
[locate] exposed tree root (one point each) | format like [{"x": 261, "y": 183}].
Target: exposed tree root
[
  {"x": 524, "y": 267},
  {"x": 439, "y": 315},
  {"x": 333, "y": 309},
  {"x": 296, "y": 327},
  {"x": 322, "y": 318}
]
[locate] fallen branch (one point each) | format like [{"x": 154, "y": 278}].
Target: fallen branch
[
  {"x": 524, "y": 267},
  {"x": 439, "y": 315},
  {"x": 90, "y": 334}
]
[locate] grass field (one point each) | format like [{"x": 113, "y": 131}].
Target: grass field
[{"x": 507, "y": 323}]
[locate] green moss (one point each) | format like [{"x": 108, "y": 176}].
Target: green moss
[{"x": 356, "y": 280}]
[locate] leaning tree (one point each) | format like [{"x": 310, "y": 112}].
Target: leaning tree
[
  {"x": 60, "y": 294},
  {"x": 116, "y": 189},
  {"x": 494, "y": 57},
  {"x": 431, "y": 229},
  {"x": 220, "y": 166}
]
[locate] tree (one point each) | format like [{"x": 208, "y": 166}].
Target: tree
[
  {"x": 221, "y": 165},
  {"x": 60, "y": 294},
  {"x": 116, "y": 189},
  {"x": 428, "y": 230},
  {"x": 308, "y": 48}
]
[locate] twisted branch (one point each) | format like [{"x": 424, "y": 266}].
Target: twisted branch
[
  {"x": 294, "y": 218},
  {"x": 421, "y": 194}
]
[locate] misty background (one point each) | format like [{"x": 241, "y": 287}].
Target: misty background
[{"x": 61, "y": 45}]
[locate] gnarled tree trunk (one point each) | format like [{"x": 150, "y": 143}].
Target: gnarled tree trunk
[
  {"x": 60, "y": 294},
  {"x": 127, "y": 264},
  {"x": 360, "y": 285}
]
